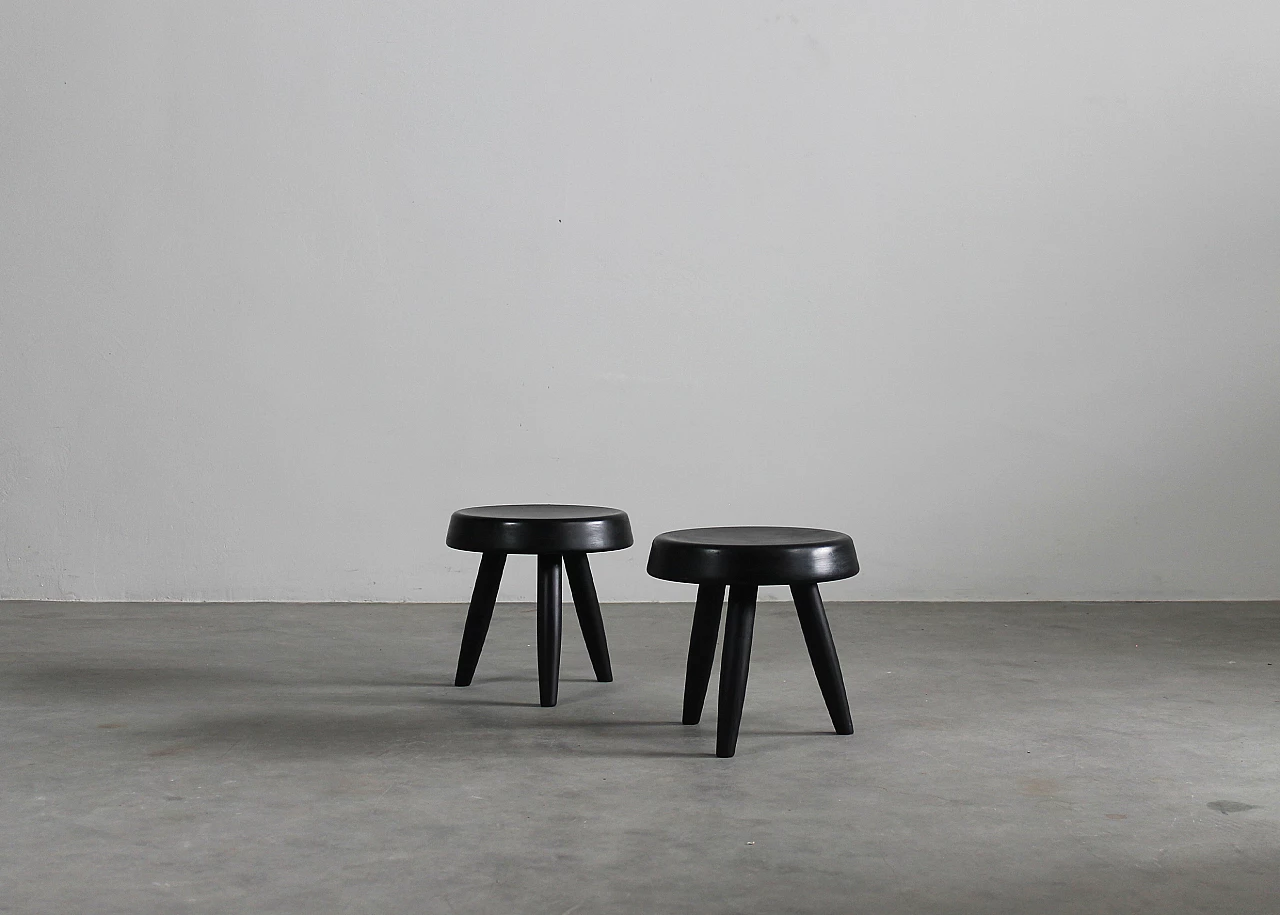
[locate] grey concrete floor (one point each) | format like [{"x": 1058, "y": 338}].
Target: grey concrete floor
[{"x": 276, "y": 758}]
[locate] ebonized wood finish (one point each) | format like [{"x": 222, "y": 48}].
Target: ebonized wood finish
[
  {"x": 560, "y": 536},
  {"x": 742, "y": 559}
]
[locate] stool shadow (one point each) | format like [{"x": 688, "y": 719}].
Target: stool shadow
[
  {"x": 607, "y": 723},
  {"x": 476, "y": 681},
  {"x": 320, "y": 733},
  {"x": 480, "y": 681},
  {"x": 445, "y": 693},
  {"x": 488, "y": 703},
  {"x": 128, "y": 676},
  {"x": 449, "y": 684},
  {"x": 613, "y": 742},
  {"x": 314, "y": 716}
]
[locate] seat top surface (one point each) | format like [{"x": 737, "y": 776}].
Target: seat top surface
[
  {"x": 539, "y": 529},
  {"x": 541, "y": 512},
  {"x": 755, "y": 536},
  {"x": 752, "y": 555}
]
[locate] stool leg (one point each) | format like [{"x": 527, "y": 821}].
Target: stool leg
[
  {"x": 702, "y": 650},
  {"x": 479, "y": 614},
  {"x": 587, "y": 606},
  {"x": 739, "y": 622},
  {"x": 548, "y": 628},
  {"x": 822, "y": 652}
]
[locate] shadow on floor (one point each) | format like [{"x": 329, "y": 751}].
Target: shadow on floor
[
  {"x": 81, "y": 680},
  {"x": 317, "y": 732},
  {"x": 339, "y": 716}
]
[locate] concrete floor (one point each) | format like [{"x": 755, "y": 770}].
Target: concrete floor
[{"x": 270, "y": 758}]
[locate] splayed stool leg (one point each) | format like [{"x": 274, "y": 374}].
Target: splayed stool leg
[{"x": 483, "y": 597}]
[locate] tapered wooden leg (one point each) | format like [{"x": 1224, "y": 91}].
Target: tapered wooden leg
[
  {"x": 822, "y": 652},
  {"x": 478, "y": 616},
  {"x": 588, "y": 608},
  {"x": 702, "y": 650},
  {"x": 739, "y": 622},
  {"x": 548, "y": 628}
]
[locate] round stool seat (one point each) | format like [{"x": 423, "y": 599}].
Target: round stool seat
[
  {"x": 539, "y": 529},
  {"x": 752, "y": 556}
]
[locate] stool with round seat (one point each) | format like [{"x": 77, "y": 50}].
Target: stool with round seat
[
  {"x": 742, "y": 559},
  {"x": 556, "y": 534}
]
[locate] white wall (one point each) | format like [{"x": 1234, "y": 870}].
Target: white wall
[{"x": 992, "y": 286}]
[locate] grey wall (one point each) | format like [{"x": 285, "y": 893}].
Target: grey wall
[{"x": 992, "y": 286}]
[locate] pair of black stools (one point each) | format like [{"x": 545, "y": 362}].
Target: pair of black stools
[{"x": 713, "y": 558}]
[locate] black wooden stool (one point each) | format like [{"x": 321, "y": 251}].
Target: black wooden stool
[
  {"x": 556, "y": 533},
  {"x": 743, "y": 558}
]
